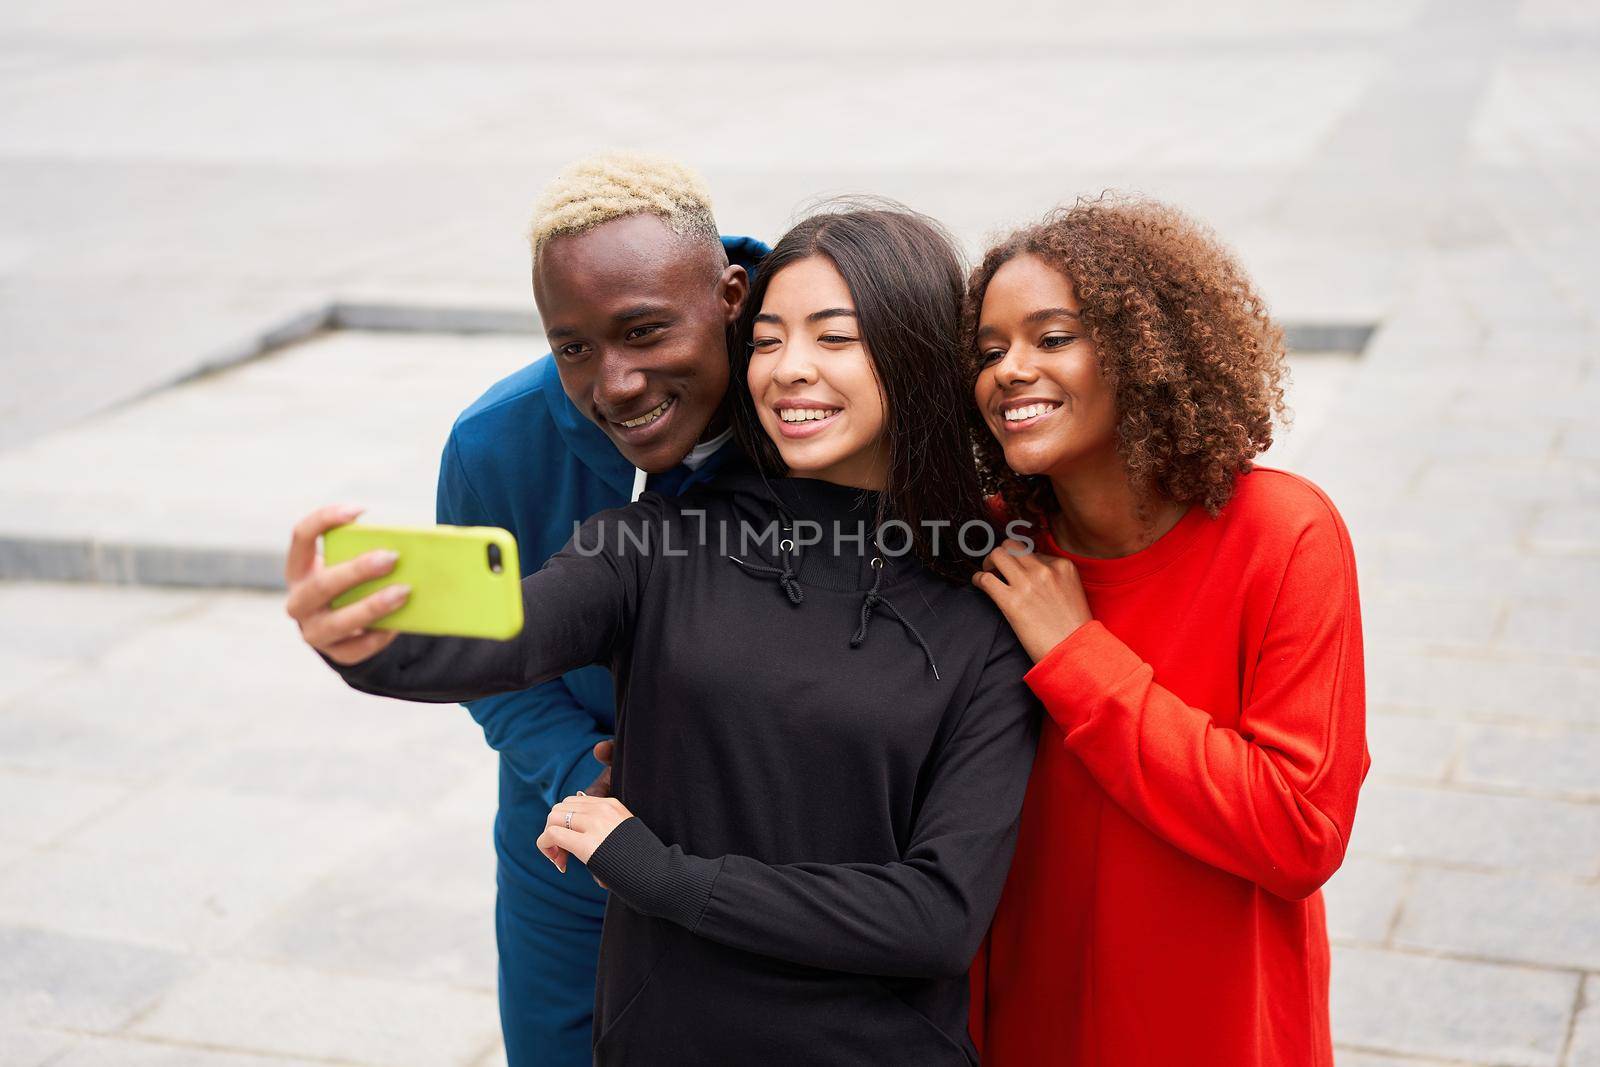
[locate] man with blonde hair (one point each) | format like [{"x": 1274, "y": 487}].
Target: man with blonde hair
[{"x": 637, "y": 294}]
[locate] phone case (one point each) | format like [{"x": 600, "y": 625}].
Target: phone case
[{"x": 455, "y": 590}]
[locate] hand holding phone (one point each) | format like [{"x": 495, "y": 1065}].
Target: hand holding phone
[
  {"x": 464, "y": 580},
  {"x": 350, "y": 602}
]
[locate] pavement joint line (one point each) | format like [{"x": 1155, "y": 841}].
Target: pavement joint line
[
  {"x": 123, "y": 1034},
  {"x": 1569, "y": 970},
  {"x": 69, "y": 559},
  {"x": 1417, "y": 1057},
  {"x": 1573, "y": 1015}
]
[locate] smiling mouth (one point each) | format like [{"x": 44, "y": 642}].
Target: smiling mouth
[
  {"x": 1021, "y": 416},
  {"x": 648, "y": 417},
  {"x": 807, "y": 414}
]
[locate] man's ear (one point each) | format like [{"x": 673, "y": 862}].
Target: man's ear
[{"x": 733, "y": 288}]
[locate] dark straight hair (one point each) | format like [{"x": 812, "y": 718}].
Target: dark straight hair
[{"x": 907, "y": 282}]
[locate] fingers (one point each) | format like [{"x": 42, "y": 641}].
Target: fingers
[
  {"x": 1006, "y": 563},
  {"x": 355, "y": 649},
  {"x": 302, "y": 555},
  {"x": 327, "y": 628},
  {"x": 601, "y": 786},
  {"x": 603, "y": 750},
  {"x": 553, "y": 852},
  {"x": 315, "y": 591},
  {"x": 564, "y": 840},
  {"x": 581, "y": 807}
]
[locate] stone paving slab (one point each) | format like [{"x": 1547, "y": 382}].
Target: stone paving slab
[
  {"x": 312, "y": 1013},
  {"x": 199, "y": 484},
  {"x": 1544, "y": 920},
  {"x": 1451, "y": 1009}
]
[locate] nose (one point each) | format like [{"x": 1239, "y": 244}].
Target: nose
[
  {"x": 618, "y": 382},
  {"x": 795, "y": 365},
  {"x": 1015, "y": 367}
]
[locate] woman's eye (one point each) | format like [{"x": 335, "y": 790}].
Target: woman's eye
[
  {"x": 835, "y": 339},
  {"x": 764, "y": 344},
  {"x": 1057, "y": 340},
  {"x": 988, "y": 356}
]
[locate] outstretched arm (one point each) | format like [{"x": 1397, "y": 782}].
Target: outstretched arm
[{"x": 576, "y": 610}]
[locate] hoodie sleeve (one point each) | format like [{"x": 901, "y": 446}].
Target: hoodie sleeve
[
  {"x": 577, "y": 609},
  {"x": 1272, "y": 801},
  {"x": 923, "y": 916}
]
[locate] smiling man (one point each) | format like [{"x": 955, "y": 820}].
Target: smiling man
[{"x": 637, "y": 293}]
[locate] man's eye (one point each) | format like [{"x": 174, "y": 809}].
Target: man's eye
[
  {"x": 572, "y": 351},
  {"x": 1057, "y": 340},
  {"x": 643, "y": 331}
]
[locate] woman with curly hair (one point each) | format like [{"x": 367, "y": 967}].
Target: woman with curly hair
[{"x": 1196, "y": 638}]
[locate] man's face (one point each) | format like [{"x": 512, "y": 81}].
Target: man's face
[{"x": 637, "y": 317}]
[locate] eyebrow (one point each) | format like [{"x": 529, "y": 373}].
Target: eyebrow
[
  {"x": 638, "y": 311},
  {"x": 815, "y": 316},
  {"x": 1034, "y": 318},
  {"x": 641, "y": 311}
]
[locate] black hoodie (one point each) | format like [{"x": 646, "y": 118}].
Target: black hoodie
[{"x": 825, "y": 757}]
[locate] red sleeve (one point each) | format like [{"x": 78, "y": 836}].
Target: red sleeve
[{"x": 1272, "y": 801}]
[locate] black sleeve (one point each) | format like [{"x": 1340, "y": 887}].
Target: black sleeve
[
  {"x": 577, "y": 609},
  {"x": 923, "y": 916}
]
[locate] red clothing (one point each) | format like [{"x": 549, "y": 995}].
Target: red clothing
[{"x": 1195, "y": 784}]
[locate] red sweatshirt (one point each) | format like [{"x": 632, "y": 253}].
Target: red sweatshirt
[{"x": 1194, "y": 786}]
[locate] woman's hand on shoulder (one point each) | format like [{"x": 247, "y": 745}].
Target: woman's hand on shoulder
[
  {"x": 578, "y": 825},
  {"x": 1041, "y": 596}
]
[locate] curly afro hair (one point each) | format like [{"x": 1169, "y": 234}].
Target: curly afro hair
[{"x": 1195, "y": 362}]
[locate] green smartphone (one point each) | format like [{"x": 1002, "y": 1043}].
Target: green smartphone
[{"x": 465, "y": 581}]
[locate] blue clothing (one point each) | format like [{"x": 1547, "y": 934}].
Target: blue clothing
[{"x": 524, "y": 458}]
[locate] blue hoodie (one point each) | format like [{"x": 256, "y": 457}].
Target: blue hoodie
[{"x": 524, "y": 458}]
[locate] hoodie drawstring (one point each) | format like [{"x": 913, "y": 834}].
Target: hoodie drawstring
[
  {"x": 869, "y": 602},
  {"x": 872, "y": 600},
  {"x": 786, "y": 578}
]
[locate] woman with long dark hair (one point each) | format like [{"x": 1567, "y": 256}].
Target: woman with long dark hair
[
  {"x": 807, "y": 837},
  {"x": 1196, "y": 634}
]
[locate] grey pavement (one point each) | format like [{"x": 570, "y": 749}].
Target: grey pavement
[{"x": 212, "y": 853}]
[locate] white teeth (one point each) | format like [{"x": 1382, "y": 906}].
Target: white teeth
[
  {"x": 806, "y": 414},
  {"x": 1028, "y": 411},
  {"x": 650, "y": 416}
]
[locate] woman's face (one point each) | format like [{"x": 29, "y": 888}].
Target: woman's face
[
  {"x": 812, "y": 378},
  {"x": 1040, "y": 390}
]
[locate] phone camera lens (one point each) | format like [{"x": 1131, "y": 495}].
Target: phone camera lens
[{"x": 494, "y": 558}]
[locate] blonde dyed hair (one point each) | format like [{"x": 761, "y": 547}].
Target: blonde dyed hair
[{"x": 620, "y": 184}]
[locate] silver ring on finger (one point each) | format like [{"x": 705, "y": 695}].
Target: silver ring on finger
[{"x": 569, "y": 820}]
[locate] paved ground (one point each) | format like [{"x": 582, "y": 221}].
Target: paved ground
[{"x": 199, "y": 870}]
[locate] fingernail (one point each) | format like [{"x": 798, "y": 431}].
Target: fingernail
[
  {"x": 384, "y": 558},
  {"x": 396, "y": 593},
  {"x": 350, "y": 511}
]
